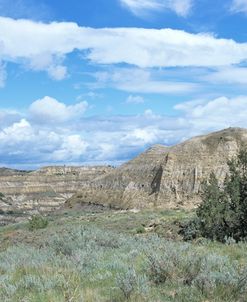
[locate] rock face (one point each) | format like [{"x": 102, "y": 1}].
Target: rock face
[
  {"x": 44, "y": 190},
  {"x": 166, "y": 176}
]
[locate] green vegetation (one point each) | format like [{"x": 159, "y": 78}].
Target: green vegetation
[
  {"x": 140, "y": 230},
  {"x": 92, "y": 256},
  {"x": 223, "y": 211},
  {"x": 37, "y": 222}
]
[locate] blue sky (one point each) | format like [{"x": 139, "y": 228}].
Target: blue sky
[{"x": 97, "y": 82}]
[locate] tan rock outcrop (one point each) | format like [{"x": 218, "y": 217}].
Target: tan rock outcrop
[
  {"x": 166, "y": 176},
  {"x": 44, "y": 190}
]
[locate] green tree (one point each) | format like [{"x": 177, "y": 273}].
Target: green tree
[
  {"x": 213, "y": 211},
  {"x": 236, "y": 189},
  {"x": 223, "y": 211}
]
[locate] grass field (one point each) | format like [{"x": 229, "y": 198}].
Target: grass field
[{"x": 91, "y": 255}]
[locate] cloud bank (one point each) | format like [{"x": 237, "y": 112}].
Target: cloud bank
[{"x": 72, "y": 137}]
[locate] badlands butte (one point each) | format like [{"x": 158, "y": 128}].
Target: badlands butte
[{"x": 164, "y": 177}]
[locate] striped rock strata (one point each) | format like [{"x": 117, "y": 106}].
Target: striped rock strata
[
  {"x": 165, "y": 177},
  {"x": 44, "y": 190}
]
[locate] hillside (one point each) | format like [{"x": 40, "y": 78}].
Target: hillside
[{"x": 165, "y": 177}]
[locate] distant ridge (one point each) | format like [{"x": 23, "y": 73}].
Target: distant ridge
[{"x": 23, "y": 193}]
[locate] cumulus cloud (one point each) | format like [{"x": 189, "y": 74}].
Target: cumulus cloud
[
  {"x": 239, "y": 6},
  {"x": 32, "y": 145},
  {"x": 141, "y": 7},
  {"x": 18, "y": 132},
  {"x": 44, "y": 46},
  {"x": 111, "y": 139},
  {"x": 141, "y": 136},
  {"x": 72, "y": 148},
  {"x": 49, "y": 110},
  {"x": 218, "y": 113},
  {"x": 8, "y": 117}
]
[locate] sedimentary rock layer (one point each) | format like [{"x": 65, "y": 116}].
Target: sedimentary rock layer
[
  {"x": 166, "y": 176},
  {"x": 44, "y": 190}
]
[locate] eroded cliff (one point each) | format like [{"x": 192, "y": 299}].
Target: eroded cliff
[
  {"x": 44, "y": 190},
  {"x": 166, "y": 176}
]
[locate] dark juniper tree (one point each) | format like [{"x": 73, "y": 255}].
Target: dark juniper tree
[{"x": 223, "y": 211}]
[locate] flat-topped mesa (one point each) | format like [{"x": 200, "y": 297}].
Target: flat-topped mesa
[
  {"x": 45, "y": 189},
  {"x": 166, "y": 176}
]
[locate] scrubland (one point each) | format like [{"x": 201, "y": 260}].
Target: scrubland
[{"x": 118, "y": 256}]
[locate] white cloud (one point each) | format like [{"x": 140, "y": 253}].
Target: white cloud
[
  {"x": 8, "y": 117},
  {"x": 106, "y": 150},
  {"x": 41, "y": 46},
  {"x": 29, "y": 144},
  {"x": 52, "y": 64},
  {"x": 140, "y": 136},
  {"x": 139, "y": 81},
  {"x": 181, "y": 7},
  {"x": 18, "y": 132},
  {"x": 141, "y": 7},
  {"x": 218, "y": 113},
  {"x": 136, "y": 5},
  {"x": 239, "y": 6},
  {"x": 229, "y": 75},
  {"x": 114, "y": 138},
  {"x": 72, "y": 148},
  {"x": 164, "y": 48},
  {"x": 49, "y": 110},
  {"x": 134, "y": 99},
  {"x": 58, "y": 72}
]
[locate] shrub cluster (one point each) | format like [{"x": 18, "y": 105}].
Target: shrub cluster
[
  {"x": 207, "y": 275},
  {"x": 37, "y": 222},
  {"x": 89, "y": 264},
  {"x": 223, "y": 211}
]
